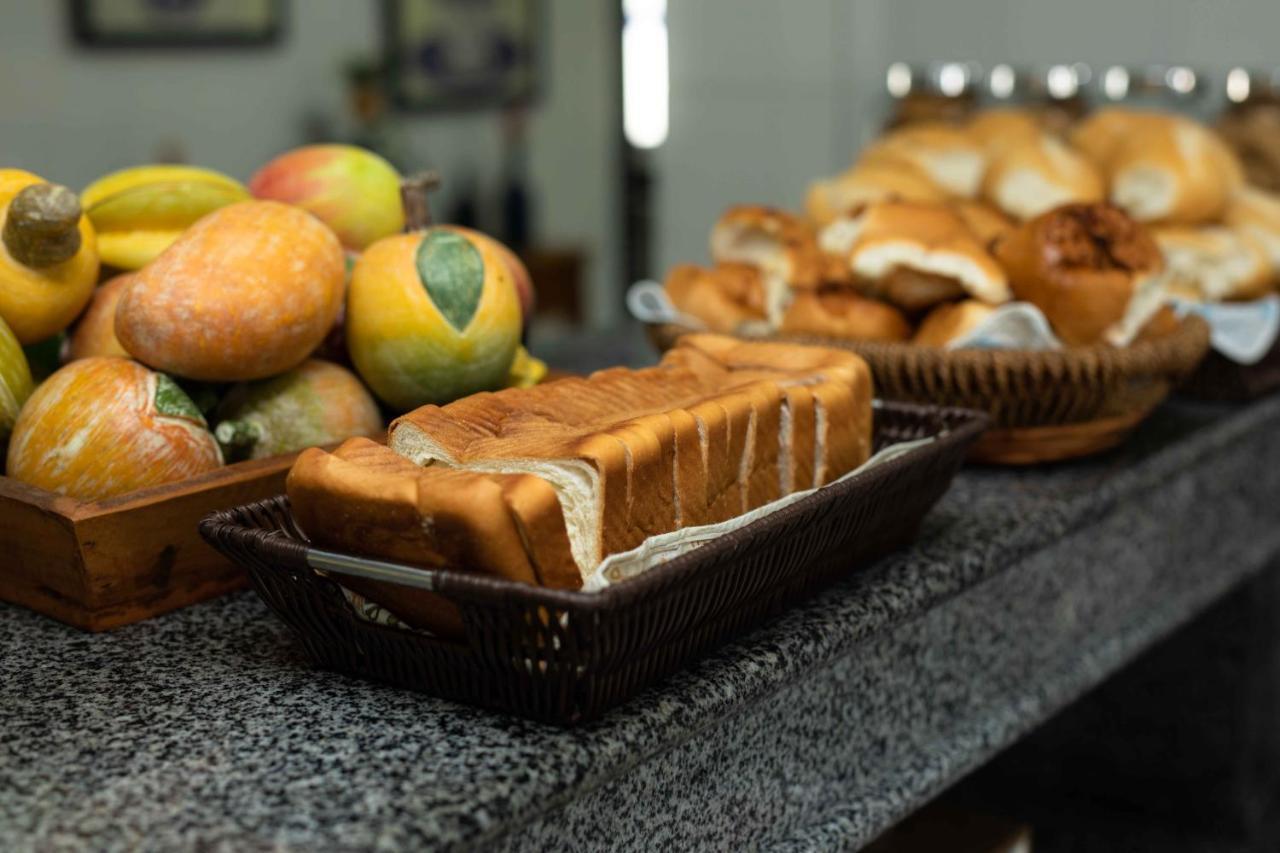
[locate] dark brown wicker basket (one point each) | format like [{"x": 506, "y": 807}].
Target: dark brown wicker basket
[
  {"x": 565, "y": 657},
  {"x": 1043, "y": 405},
  {"x": 1220, "y": 378}
]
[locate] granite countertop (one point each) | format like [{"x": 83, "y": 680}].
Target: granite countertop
[{"x": 207, "y": 728}]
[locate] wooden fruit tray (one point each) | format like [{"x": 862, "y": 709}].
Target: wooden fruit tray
[{"x": 101, "y": 564}]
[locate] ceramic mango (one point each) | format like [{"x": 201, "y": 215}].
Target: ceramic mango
[
  {"x": 314, "y": 404},
  {"x": 15, "y": 380},
  {"x": 432, "y": 315},
  {"x": 102, "y": 427},
  {"x": 95, "y": 332},
  {"x": 353, "y": 191},
  {"x": 247, "y": 292},
  {"x": 48, "y": 256},
  {"x": 139, "y": 212}
]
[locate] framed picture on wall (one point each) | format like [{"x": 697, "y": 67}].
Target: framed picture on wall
[
  {"x": 462, "y": 54},
  {"x": 176, "y": 23}
]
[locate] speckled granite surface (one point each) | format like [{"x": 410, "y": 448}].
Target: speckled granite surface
[{"x": 206, "y": 729}]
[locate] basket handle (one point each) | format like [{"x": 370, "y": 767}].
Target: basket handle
[{"x": 378, "y": 570}]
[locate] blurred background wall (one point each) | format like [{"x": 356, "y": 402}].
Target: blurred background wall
[
  {"x": 765, "y": 95},
  {"x": 72, "y": 114}
]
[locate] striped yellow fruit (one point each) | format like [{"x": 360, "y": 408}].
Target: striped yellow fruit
[
  {"x": 15, "y": 380},
  {"x": 101, "y": 427},
  {"x": 432, "y": 316},
  {"x": 140, "y": 212}
]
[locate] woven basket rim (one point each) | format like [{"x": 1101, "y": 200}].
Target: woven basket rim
[{"x": 1171, "y": 355}]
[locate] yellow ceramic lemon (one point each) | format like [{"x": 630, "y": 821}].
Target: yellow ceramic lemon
[
  {"x": 48, "y": 256},
  {"x": 432, "y": 315}
]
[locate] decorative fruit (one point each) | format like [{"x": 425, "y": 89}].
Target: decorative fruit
[
  {"x": 139, "y": 212},
  {"x": 95, "y": 331},
  {"x": 432, "y": 315},
  {"x": 526, "y": 371},
  {"x": 313, "y": 404},
  {"x": 15, "y": 380},
  {"x": 353, "y": 191},
  {"x": 519, "y": 272},
  {"x": 245, "y": 293},
  {"x": 48, "y": 256},
  {"x": 101, "y": 427}
]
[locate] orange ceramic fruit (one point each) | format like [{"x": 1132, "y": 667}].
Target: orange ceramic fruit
[
  {"x": 101, "y": 427},
  {"x": 95, "y": 331},
  {"x": 247, "y": 292}
]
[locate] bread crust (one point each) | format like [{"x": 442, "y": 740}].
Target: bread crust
[
  {"x": 487, "y": 483},
  {"x": 946, "y": 323},
  {"x": 917, "y": 255},
  {"x": 1079, "y": 264},
  {"x": 842, "y": 313},
  {"x": 726, "y": 298}
]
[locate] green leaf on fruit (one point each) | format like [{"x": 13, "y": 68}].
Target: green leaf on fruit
[
  {"x": 172, "y": 401},
  {"x": 452, "y": 272}
]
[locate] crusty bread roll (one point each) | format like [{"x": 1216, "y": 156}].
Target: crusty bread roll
[
  {"x": 1080, "y": 264},
  {"x": 1171, "y": 170},
  {"x": 1215, "y": 263},
  {"x": 705, "y": 436},
  {"x": 946, "y": 154},
  {"x": 915, "y": 255},
  {"x": 1035, "y": 175},
  {"x": 997, "y": 128},
  {"x": 950, "y": 322},
  {"x": 985, "y": 222},
  {"x": 1101, "y": 133},
  {"x": 865, "y": 184},
  {"x": 779, "y": 244},
  {"x": 843, "y": 314},
  {"x": 1256, "y": 212},
  {"x": 728, "y": 298}
]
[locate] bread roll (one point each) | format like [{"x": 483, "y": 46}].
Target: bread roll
[
  {"x": 1173, "y": 171},
  {"x": 1256, "y": 212},
  {"x": 865, "y": 184},
  {"x": 946, "y": 154},
  {"x": 1037, "y": 175},
  {"x": 984, "y": 221},
  {"x": 1080, "y": 265},
  {"x": 950, "y": 322},
  {"x": 1215, "y": 263},
  {"x": 842, "y": 314},
  {"x": 782, "y": 246},
  {"x": 1103, "y": 131},
  {"x": 728, "y": 298},
  {"x": 916, "y": 255},
  {"x": 995, "y": 129}
]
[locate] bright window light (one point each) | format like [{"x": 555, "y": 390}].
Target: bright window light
[{"x": 645, "y": 83}]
